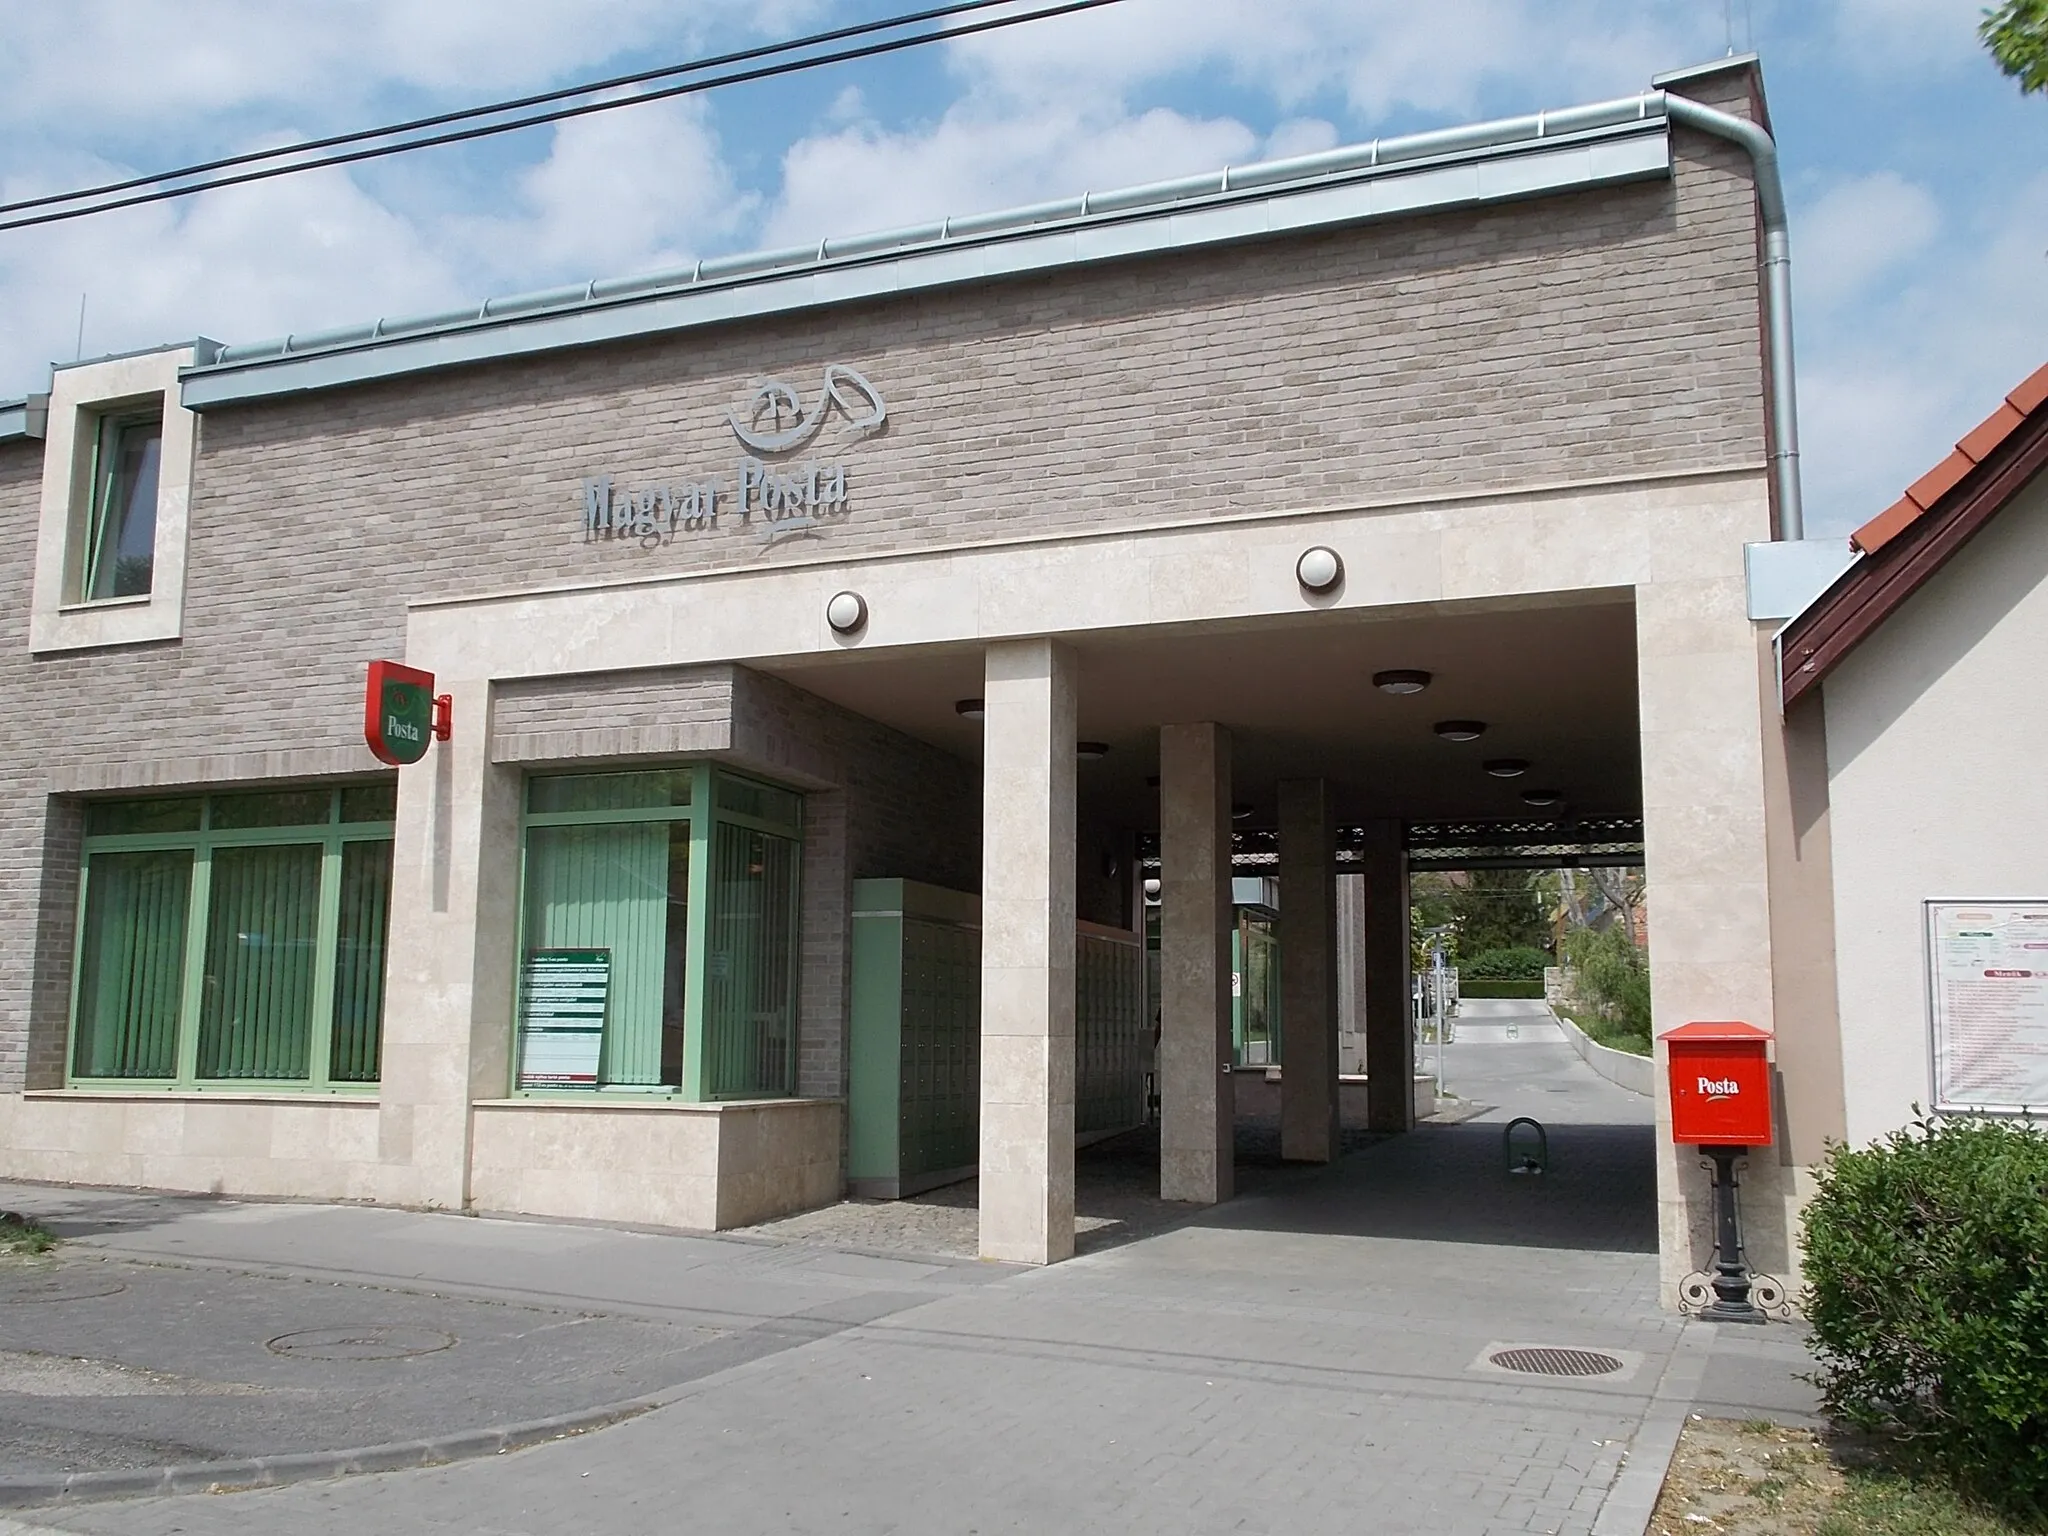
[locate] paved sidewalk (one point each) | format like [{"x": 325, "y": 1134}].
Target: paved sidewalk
[{"x": 1307, "y": 1358}]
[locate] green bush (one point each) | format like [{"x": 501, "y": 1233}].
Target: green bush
[
  {"x": 1498, "y": 988},
  {"x": 1927, "y": 1287},
  {"x": 1518, "y": 964},
  {"x": 1613, "y": 978}
]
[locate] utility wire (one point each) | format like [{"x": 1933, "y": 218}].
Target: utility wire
[
  {"x": 466, "y": 114},
  {"x": 737, "y": 77}
]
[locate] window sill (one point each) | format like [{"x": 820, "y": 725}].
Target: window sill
[
  {"x": 135, "y": 1094},
  {"x": 656, "y": 1103},
  {"x": 104, "y": 604}
]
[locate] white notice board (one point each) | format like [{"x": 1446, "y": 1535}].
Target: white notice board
[{"x": 1987, "y": 983}]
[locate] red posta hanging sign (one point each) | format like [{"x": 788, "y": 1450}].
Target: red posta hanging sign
[{"x": 401, "y": 713}]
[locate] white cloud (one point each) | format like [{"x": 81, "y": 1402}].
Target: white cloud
[
  {"x": 294, "y": 254},
  {"x": 1299, "y": 136},
  {"x": 1917, "y": 34},
  {"x": 1859, "y": 232},
  {"x": 864, "y": 178},
  {"x": 619, "y": 192},
  {"x": 1887, "y": 390},
  {"x": 121, "y": 64},
  {"x": 1381, "y": 55}
]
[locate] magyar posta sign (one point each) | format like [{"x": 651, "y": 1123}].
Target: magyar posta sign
[{"x": 401, "y": 714}]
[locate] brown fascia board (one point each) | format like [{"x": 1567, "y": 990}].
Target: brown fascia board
[{"x": 1871, "y": 590}]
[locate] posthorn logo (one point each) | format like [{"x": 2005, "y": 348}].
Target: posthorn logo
[{"x": 775, "y": 419}]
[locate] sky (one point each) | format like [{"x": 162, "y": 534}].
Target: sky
[{"x": 1917, "y": 175}]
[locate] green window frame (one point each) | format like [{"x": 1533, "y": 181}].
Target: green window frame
[
  {"x": 233, "y": 942},
  {"x": 688, "y": 878},
  {"x": 117, "y": 556}
]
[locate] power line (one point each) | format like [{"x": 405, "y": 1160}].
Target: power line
[
  {"x": 466, "y": 114},
  {"x": 737, "y": 77}
]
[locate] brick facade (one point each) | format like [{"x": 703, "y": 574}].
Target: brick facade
[{"x": 1596, "y": 335}]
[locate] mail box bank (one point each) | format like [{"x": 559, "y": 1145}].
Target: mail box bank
[{"x": 1720, "y": 1084}]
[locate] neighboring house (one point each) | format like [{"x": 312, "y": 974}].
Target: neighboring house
[{"x": 1923, "y": 674}]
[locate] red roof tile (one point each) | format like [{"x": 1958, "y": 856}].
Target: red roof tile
[
  {"x": 1923, "y": 493},
  {"x": 2033, "y": 394}
]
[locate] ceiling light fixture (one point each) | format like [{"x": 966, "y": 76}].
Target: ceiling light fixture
[
  {"x": 1507, "y": 767},
  {"x": 1543, "y": 799},
  {"x": 1400, "y": 680},
  {"x": 972, "y": 709},
  {"x": 1091, "y": 749},
  {"x": 1460, "y": 730},
  {"x": 1242, "y": 810}
]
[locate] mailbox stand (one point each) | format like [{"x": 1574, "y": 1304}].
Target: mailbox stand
[
  {"x": 1731, "y": 1303},
  {"x": 1721, "y": 1103}
]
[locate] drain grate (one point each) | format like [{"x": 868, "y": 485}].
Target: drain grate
[
  {"x": 367, "y": 1343},
  {"x": 1555, "y": 1362}
]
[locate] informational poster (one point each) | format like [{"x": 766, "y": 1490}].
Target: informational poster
[
  {"x": 1988, "y": 988},
  {"x": 562, "y": 998}
]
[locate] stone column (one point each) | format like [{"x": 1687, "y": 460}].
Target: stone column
[
  {"x": 1196, "y": 1113},
  {"x": 1350, "y": 972},
  {"x": 1308, "y": 973},
  {"x": 450, "y": 985},
  {"x": 1707, "y": 797},
  {"x": 1027, "y": 954},
  {"x": 1389, "y": 1034}
]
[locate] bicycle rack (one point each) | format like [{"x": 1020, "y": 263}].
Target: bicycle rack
[{"x": 1535, "y": 1157}]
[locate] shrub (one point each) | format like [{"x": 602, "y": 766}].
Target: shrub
[
  {"x": 1927, "y": 1287},
  {"x": 1485, "y": 989},
  {"x": 1518, "y": 964},
  {"x": 1612, "y": 978}
]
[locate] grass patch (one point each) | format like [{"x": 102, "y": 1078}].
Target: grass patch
[
  {"x": 21, "y": 1235},
  {"x": 1614, "y": 1036},
  {"x": 1755, "y": 1478},
  {"x": 1879, "y": 1501}
]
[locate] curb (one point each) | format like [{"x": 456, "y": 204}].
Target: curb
[{"x": 305, "y": 1466}]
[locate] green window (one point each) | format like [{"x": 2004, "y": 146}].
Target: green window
[
  {"x": 119, "y": 556},
  {"x": 659, "y": 934},
  {"x": 234, "y": 940}
]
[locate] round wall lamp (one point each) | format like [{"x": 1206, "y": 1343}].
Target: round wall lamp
[
  {"x": 1460, "y": 730},
  {"x": 846, "y": 612},
  {"x": 1543, "y": 799},
  {"x": 972, "y": 709},
  {"x": 1506, "y": 767},
  {"x": 1152, "y": 890},
  {"x": 1401, "y": 680},
  {"x": 1091, "y": 750},
  {"x": 1320, "y": 569}
]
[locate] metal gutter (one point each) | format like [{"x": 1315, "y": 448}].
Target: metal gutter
[
  {"x": 1777, "y": 265},
  {"x": 1531, "y": 156},
  {"x": 21, "y": 420}
]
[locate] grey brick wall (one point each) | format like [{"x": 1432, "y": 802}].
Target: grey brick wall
[
  {"x": 1599, "y": 334},
  {"x": 657, "y": 712}
]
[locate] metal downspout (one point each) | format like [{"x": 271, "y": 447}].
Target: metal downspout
[{"x": 1770, "y": 194}]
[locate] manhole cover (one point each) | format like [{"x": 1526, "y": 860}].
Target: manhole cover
[
  {"x": 1555, "y": 1362},
  {"x": 367, "y": 1343},
  {"x": 58, "y": 1285}
]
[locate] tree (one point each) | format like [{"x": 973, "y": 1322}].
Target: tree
[
  {"x": 2017, "y": 35},
  {"x": 1497, "y": 909}
]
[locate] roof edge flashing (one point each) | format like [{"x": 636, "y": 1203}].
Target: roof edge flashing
[
  {"x": 492, "y": 323},
  {"x": 24, "y": 420}
]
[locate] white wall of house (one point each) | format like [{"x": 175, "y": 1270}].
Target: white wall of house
[{"x": 1937, "y": 730}]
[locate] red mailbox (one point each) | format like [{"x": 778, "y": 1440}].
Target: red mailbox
[{"x": 1720, "y": 1084}]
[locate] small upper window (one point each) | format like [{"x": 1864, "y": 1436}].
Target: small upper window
[{"x": 120, "y": 533}]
